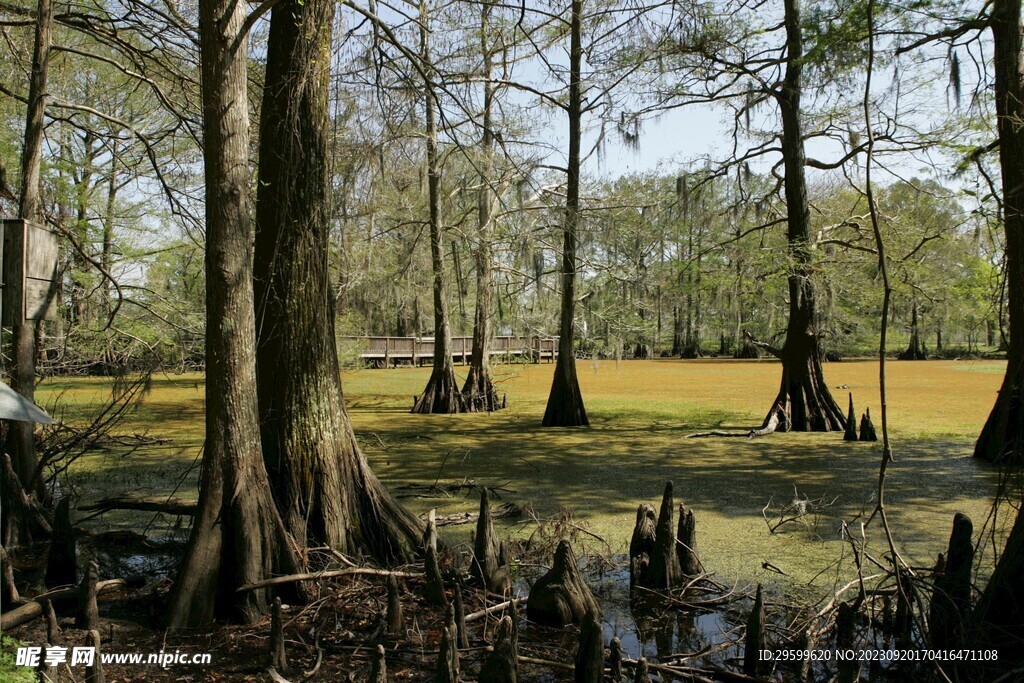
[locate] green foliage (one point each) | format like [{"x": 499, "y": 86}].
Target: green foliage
[{"x": 9, "y": 671}]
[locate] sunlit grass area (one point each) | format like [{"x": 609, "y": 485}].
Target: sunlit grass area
[{"x": 640, "y": 412}]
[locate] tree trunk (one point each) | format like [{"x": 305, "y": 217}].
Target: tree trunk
[
  {"x": 1001, "y": 607},
  {"x": 565, "y": 403},
  {"x": 804, "y": 402},
  {"x": 1002, "y": 436},
  {"x": 21, "y": 440},
  {"x": 441, "y": 394},
  {"x": 237, "y": 536},
  {"x": 915, "y": 349},
  {"x": 321, "y": 481},
  {"x": 479, "y": 389}
]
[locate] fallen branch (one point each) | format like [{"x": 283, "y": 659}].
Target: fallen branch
[
  {"x": 292, "y": 578},
  {"x": 476, "y": 616},
  {"x": 503, "y": 511},
  {"x": 33, "y": 609}
]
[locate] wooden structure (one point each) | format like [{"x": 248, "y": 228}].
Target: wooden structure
[
  {"x": 388, "y": 351},
  {"x": 29, "y": 257}
]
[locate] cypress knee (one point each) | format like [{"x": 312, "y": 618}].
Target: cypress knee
[
  {"x": 590, "y": 653},
  {"x": 502, "y": 664},
  {"x": 61, "y": 561},
  {"x": 851, "y": 423},
  {"x": 561, "y": 597},
  {"x": 686, "y": 543},
  {"x": 88, "y": 616}
]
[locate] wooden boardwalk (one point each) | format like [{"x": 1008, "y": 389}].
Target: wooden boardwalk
[{"x": 388, "y": 351}]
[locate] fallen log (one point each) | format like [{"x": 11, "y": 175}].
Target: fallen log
[
  {"x": 171, "y": 506},
  {"x": 32, "y": 610}
]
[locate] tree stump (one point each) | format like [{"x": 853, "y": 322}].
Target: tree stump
[
  {"x": 867, "y": 429},
  {"x": 62, "y": 559},
  {"x": 686, "y": 543},
  {"x": 851, "y": 423},
  {"x": 8, "y": 590},
  {"x": 52, "y": 627},
  {"x": 590, "y": 653},
  {"x": 641, "y": 546},
  {"x": 395, "y": 617},
  {"x": 640, "y": 672},
  {"x": 94, "y": 671},
  {"x": 951, "y": 602},
  {"x": 88, "y": 616},
  {"x": 502, "y": 664},
  {"x": 615, "y": 659},
  {"x": 379, "y": 670},
  {"x": 561, "y": 597},
  {"x": 278, "y": 656},
  {"x": 754, "y": 641},
  {"x": 448, "y": 657},
  {"x": 487, "y": 566}
]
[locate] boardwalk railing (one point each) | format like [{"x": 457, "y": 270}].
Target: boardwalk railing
[{"x": 388, "y": 351}]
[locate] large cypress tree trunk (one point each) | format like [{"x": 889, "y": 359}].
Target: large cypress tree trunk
[
  {"x": 441, "y": 394},
  {"x": 1001, "y": 608},
  {"x": 1002, "y": 436},
  {"x": 565, "y": 403},
  {"x": 321, "y": 481},
  {"x": 804, "y": 402},
  {"x": 237, "y": 535},
  {"x": 479, "y": 389}
]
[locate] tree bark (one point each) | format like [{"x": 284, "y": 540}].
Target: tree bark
[
  {"x": 441, "y": 394},
  {"x": 1002, "y": 437},
  {"x": 323, "y": 486},
  {"x": 479, "y": 389},
  {"x": 804, "y": 402},
  {"x": 237, "y": 535},
  {"x": 565, "y": 403},
  {"x": 21, "y": 435},
  {"x": 1001, "y": 607}
]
